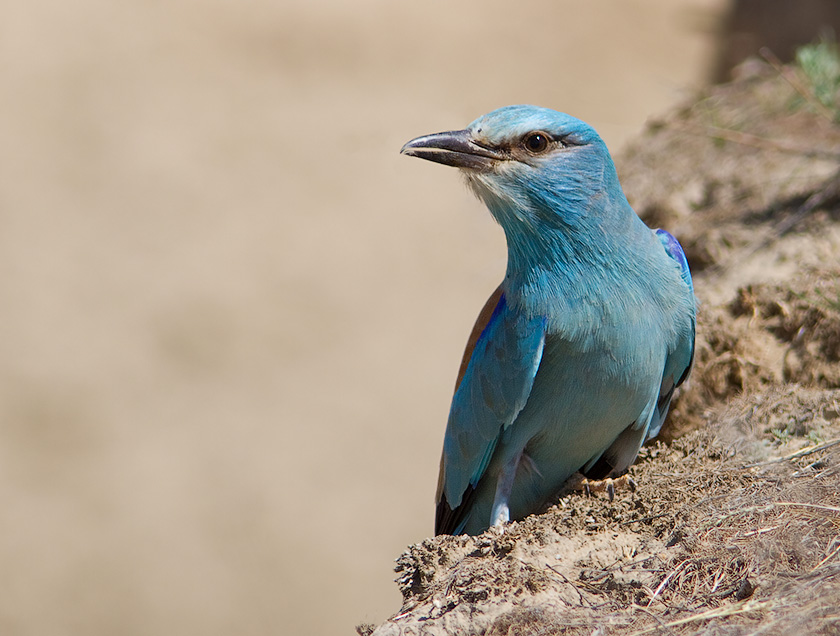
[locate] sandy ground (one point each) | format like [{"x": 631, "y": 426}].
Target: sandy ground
[{"x": 232, "y": 314}]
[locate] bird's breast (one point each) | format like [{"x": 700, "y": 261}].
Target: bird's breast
[{"x": 584, "y": 396}]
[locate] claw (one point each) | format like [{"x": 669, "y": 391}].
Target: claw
[{"x": 590, "y": 486}]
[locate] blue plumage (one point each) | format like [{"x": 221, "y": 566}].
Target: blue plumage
[{"x": 574, "y": 360}]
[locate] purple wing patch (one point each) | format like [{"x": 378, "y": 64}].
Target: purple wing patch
[{"x": 674, "y": 250}]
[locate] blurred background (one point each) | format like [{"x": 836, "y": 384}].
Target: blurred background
[{"x": 232, "y": 315}]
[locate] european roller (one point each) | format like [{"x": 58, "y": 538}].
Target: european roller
[{"x": 574, "y": 359}]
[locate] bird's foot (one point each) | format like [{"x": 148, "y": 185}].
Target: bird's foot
[{"x": 608, "y": 485}]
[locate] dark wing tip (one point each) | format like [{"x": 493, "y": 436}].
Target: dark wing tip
[{"x": 451, "y": 520}]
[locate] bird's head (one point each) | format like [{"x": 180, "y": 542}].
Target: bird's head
[{"x": 533, "y": 167}]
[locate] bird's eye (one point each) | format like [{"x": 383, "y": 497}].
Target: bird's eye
[{"x": 535, "y": 142}]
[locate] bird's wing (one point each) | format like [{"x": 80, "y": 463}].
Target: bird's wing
[
  {"x": 501, "y": 360},
  {"x": 674, "y": 250},
  {"x": 678, "y": 365}
]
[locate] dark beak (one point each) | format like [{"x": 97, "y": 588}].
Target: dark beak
[{"x": 454, "y": 148}]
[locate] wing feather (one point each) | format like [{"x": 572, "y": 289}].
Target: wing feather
[{"x": 501, "y": 360}]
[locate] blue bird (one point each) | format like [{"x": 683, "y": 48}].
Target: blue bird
[{"x": 574, "y": 359}]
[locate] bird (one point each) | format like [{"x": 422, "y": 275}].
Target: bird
[{"x": 573, "y": 361}]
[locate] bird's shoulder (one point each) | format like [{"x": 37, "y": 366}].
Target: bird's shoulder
[{"x": 480, "y": 325}]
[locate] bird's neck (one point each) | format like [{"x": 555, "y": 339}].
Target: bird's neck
[
  {"x": 573, "y": 263},
  {"x": 575, "y": 246}
]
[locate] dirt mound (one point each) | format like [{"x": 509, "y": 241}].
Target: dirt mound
[
  {"x": 734, "y": 524},
  {"x": 768, "y": 335},
  {"x": 713, "y": 532}
]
